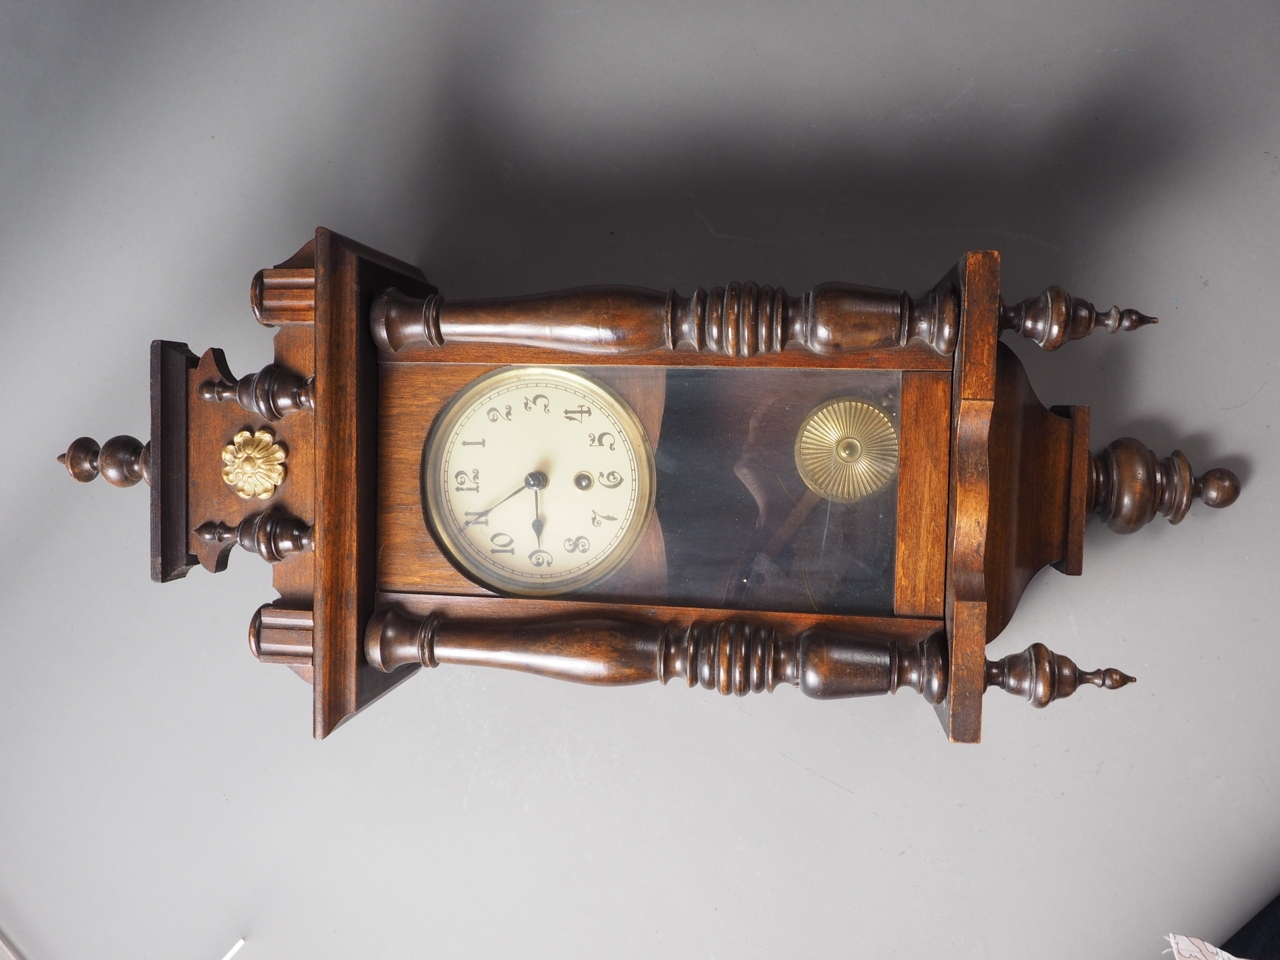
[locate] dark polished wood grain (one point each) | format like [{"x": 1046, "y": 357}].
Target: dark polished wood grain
[
  {"x": 916, "y": 355},
  {"x": 740, "y": 320},
  {"x": 211, "y": 500},
  {"x": 992, "y": 487},
  {"x": 1078, "y": 492},
  {"x": 274, "y": 535},
  {"x": 1041, "y": 676},
  {"x": 729, "y": 656},
  {"x": 348, "y": 276},
  {"x": 294, "y": 342},
  {"x": 923, "y": 470},
  {"x": 272, "y": 393},
  {"x": 169, "y": 449},
  {"x": 286, "y": 294},
  {"x": 973, "y": 388},
  {"x": 1031, "y": 467},
  {"x": 281, "y": 634},
  {"x": 905, "y": 631},
  {"x": 122, "y": 460},
  {"x": 1054, "y": 317},
  {"x": 1129, "y": 486},
  {"x": 732, "y": 657}
]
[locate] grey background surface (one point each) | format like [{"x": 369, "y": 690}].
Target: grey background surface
[{"x": 160, "y": 795}]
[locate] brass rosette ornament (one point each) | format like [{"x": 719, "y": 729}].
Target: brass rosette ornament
[
  {"x": 253, "y": 464},
  {"x": 845, "y": 450}
]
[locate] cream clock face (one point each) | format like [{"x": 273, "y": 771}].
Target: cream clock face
[{"x": 538, "y": 481}]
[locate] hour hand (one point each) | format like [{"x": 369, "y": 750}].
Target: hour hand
[{"x": 537, "y": 509}]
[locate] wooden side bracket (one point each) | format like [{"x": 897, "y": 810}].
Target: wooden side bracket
[
  {"x": 170, "y": 556},
  {"x": 973, "y": 401},
  {"x": 347, "y": 277}
]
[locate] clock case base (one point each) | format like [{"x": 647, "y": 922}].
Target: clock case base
[{"x": 993, "y": 486}]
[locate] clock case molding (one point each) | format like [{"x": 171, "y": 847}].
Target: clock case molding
[{"x": 993, "y": 486}]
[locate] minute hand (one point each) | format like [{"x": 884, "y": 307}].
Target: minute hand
[{"x": 484, "y": 513}]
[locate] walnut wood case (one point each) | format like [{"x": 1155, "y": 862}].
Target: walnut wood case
[{"x": 314, "y": 464}]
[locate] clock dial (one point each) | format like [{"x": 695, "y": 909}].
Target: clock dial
[{"x": 538, "y": 481}]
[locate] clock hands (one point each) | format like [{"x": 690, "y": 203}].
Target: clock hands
[{"x": 534, "y": 481}]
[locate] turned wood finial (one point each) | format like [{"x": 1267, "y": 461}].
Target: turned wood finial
[
  {"x": 272, "y": 535},
  {"x": 1041, "y": 676},
  {"x": 122, "y": 460},
  {"x": 1128, "y": 486},
  {"x": 272, "y": 393},
  {"x": 1055, "y": 317}
]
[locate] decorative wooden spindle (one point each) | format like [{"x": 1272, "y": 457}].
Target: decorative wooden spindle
[
  {"x": 730, "y": 656},
  {"x": 272, "y": 393},
  {"x": 122, "y": 461},
  {"x": 1055, "y": 317},
  {"x": 1128, "y": 486},
  {"x": 273, "y": 535},
  {"x": 739, "y": 320},
  {"x": 1041, "y": 676}
]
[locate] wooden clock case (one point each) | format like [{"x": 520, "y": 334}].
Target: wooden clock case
[{"x": 992, "y": 487}]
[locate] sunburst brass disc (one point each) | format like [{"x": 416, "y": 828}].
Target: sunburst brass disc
[{"x": 846, "y": 449}]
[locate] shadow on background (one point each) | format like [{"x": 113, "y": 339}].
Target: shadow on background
[
  {"x": 497, "y": 208},
  {"x": 496, "y": 211},
  {"x": 716, "y": 208}
]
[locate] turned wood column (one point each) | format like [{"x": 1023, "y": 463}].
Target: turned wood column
[
  {"x": 738, "y": 320},
  {"x": 729, "y": 656}
]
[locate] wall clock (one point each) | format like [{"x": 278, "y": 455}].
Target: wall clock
[{"x": 845, "y": 491}]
